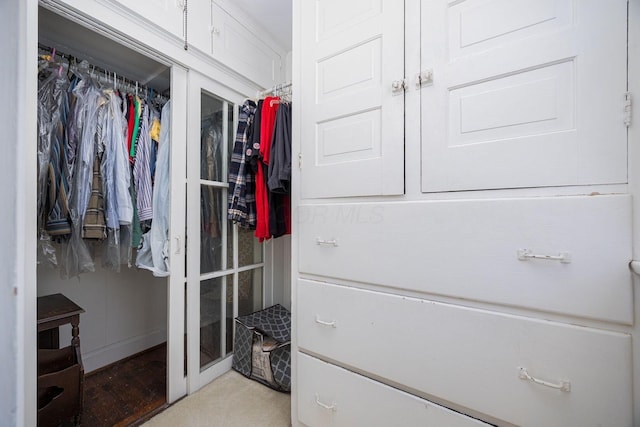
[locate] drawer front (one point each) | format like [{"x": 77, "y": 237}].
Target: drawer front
[
  {"x": 472, "y": 358},
  {"x": 469, "y": 249},
  {"x": 332, "y": 396}
]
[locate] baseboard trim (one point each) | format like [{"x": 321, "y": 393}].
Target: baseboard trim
[{"x": 107, "y": 355}]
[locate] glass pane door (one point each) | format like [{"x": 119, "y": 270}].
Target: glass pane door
[{"x": 225, "y": 267}]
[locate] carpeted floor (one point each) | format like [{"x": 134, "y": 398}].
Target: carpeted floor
[{"x": 230, "y": 401}]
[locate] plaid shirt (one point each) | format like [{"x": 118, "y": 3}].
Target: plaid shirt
[{"x": 242, "y": 185}]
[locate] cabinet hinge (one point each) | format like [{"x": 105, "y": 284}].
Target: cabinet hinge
[
  {"x": 627, "y": 109},
  {"x": 300, "y": 161}
]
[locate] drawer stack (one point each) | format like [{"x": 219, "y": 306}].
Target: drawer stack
[{"x": 496, "y": 311}]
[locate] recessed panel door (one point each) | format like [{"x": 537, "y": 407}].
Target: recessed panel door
[
  {"x": 525, "y": 93},
  {"x": 352, "y": 141}
]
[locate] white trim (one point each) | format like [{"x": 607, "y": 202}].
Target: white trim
[
  {"x": 296, "y": 131},
  {"x": 176, "y": 381},
  {"x": 25, "y": 211},
  {"x": 268, "y": 272},
  {"x": 633, "y": 141},
  {"x": 229, "y": 271},
  {"x": 196, "y": 82},
  {"x": 216, "y": 184},
  {"x": 214, "y": 371}
]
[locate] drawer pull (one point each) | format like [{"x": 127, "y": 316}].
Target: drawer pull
[
  {"x": 333, "y": 407},
  {"x": 526, "y": 255},
  {"x": 324, "y": 323},
  {"x": 332, "y": 242},
  {"x": 564, "y": 385}
]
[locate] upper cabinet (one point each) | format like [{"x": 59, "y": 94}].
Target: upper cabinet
[
  {"x": 166, "y": 14},
  {"x": 526, "y": 93},
  {"x": 219, "y": 30},
  {"x": 235, "y": 43},
  {"x": 351, "y": 84},
  {"x": 507, "y": 97}
]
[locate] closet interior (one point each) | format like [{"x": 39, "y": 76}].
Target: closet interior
[{"x": 125, "y": 308}]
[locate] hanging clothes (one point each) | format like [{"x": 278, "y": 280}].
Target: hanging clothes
[
  {"x": 279, "y": 174},
  {"x": 154, "y": 253},
  {"x": 92, "y": 170},
  {"x": 241, "y": 198},
  {"x": 142, "y": 169},
  {"x": 94, "y": 226},
  {"x": 261, "y": 162},
  {"x": 53, "y": 187},
  {"x": 77, "y": 258},
  {"x": 116, "y": 181},
  {"x": 268, "y": 118}
]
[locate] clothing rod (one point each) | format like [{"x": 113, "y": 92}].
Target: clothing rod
[
  {"x": 103, "y": 75},
  {"x": 274, "y": 89}
]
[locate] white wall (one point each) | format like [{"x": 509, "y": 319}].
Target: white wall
[{"x": 125, "y": 312}]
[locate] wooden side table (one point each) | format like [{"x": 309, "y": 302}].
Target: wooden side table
[{"x": 60, "y": 370}]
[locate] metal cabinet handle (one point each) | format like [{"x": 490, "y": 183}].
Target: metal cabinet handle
[
  {"x": 332, "y": 407},
  {"x": 526, "y": 255},
  {"x": 563, "y": 385},
  {"x": 399, "y": 86},
  {"x": 332, "y": 242},
  {"x": 325, "y": 323},
  {"x": 177, "y": 244}
]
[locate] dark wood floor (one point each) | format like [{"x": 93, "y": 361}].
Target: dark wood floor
[{"x": 127, "y": 392}]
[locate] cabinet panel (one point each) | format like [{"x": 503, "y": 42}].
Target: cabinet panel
[
  {"x": 469, "y": 249},
  {"x": 332, "y": 396},
  {"x": 166, "y": 14},
  {"x": 236, "y": 46},
  {"x": 527, "y": 94},
  {"x": 472, "y": 358},
  {"x": 352, "y": 140},
  {"x": 200, "y": 25}
]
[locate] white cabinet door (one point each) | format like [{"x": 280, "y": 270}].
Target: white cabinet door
[
  {"x": 525, "y": 93},
  {"x": 352, "y": 140},
  {"x": 239, "y": 48},
  {"x": 200, "y": 28},
  {"x": 166, "y": 14}
]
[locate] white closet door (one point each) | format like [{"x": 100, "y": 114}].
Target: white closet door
[
  {"x": 238, "y": 47},
  {"x": 166, "y": 14},
  {"x": 176, "y": 379},
  {"x": 210, "y": 287},
  {"x": 352, "y": 123},
  {"x": 225, "y": 265},
  {"x": 525, "y": 93}
]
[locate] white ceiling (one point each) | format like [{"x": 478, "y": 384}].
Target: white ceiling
[{"x": 274, "y": 15}]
